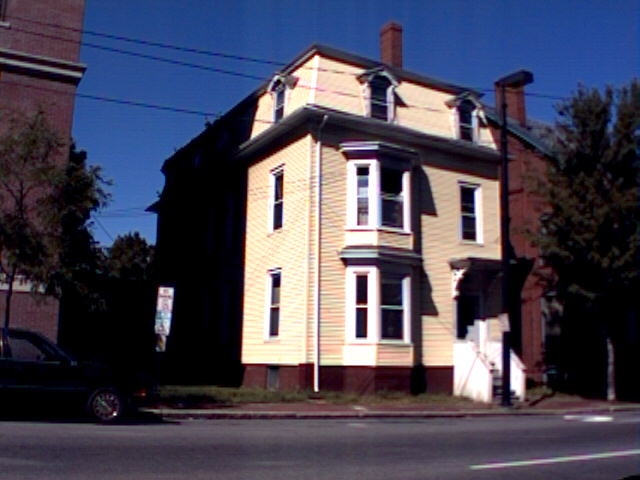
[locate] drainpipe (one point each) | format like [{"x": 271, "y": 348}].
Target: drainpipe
[{"x": 316, "y": 293}]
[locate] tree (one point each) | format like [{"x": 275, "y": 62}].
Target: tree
[
  {"x": 130, "y": 258},
  {"x": 80, "y": 190},
  {"x": 28, "y": 165},
  {"x": 590, "y": 233}
]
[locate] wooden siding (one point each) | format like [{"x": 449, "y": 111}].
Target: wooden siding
[
  {"x": 285, "y": 249},
  {"x": 441, "y": 243},
  {"x": 334, "y": 84},
  {"x": 332, "y": 273},
  {"x": 301, "y": 94}
]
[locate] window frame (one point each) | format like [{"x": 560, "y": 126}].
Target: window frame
[
  {"x": 476, "y": 215},
  {"x": 272, "y": 329},
  {"x": 276, "y": 203}
]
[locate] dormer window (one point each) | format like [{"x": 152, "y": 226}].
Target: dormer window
[
  {"x": 278, "y": 88},
  {"x": 466, "y": 110},
  {"x": 466, "y": 113},
  {"x": 278, "y": 100},
  {"x": 380, "y": 88}
]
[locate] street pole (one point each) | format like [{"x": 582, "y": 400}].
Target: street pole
[{"x": 514, "y": 80}]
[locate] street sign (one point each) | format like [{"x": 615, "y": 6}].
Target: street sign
[{"x": 164, "y": 310}]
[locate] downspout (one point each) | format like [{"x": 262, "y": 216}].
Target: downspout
[{"x": 316, "y": 293}]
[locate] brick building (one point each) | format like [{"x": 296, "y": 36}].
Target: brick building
[{"x": 40, "y": 69}]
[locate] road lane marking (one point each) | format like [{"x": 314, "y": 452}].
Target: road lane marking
[
  {"x": 589, "y": 418},
  {"x": 548, "y": 461}
]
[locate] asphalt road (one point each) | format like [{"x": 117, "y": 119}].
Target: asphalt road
[{"x": 549, "y": 447}]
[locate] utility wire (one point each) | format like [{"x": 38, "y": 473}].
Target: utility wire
[
  {"x": 232, "y": 72},
  {"x": 198, "y": 51}
]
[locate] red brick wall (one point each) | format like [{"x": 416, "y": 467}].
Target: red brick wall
[
  {"x": 50, "y": 29},
  {"x": 360, "y": 380},
  {"x": 33, "y": 312},
  {"x": 525, "y": 207}
]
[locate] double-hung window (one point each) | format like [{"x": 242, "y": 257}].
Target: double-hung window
[
  {"x": 377, "y": 305},
  {"x": 273, "y": 313},
  {"x": 470, "y": 213},
  {"x": 276, "y": 204}
]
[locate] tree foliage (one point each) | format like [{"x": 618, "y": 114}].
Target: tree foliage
[
  {"x": 590, "y": 233},
  {"x": 130, "y": 258},
  {"x": 79, "y": 191}
]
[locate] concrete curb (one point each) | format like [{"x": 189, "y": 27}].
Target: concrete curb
[{"x": 237, "y": 414}]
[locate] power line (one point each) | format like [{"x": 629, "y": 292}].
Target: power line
[
  {"x": 152, "y": 43},
  {"x": 231, "y": 72},
  {"x": 198, "y": 51},
  {"x": 106, "y": 232}
]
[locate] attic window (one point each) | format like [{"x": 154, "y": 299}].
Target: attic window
[
  {"x": 379, "y": 97},
  {"x": 380, "y": 94},
  {"x": 278, "y": 100},
  {"x": 466, "y": 110},
  {"x": 278, "y": 88}
]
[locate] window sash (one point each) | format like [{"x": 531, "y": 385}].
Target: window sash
[
  {"x": 469, "y": 213},
  {"x": 379, "y": 104},
  {"x": 465, "y": 121},
  {"x": 362, "y": 305},
  {"x": 277, "y": 213},
  {"x": 363, "y": 180},
  {"x": 392, "y": 308},
  {"x": 278, "y": 91}
]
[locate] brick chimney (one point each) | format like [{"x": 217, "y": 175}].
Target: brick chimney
[
  {"x": 515, "y": 103},
  {"x": 391, "y": 44}
]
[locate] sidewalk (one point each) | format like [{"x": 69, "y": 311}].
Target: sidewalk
[{"x": 321, "y": 409}]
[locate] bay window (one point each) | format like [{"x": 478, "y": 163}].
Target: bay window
[{"x": 378, "y": 305}]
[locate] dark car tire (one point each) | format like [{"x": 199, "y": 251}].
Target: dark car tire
[{"x": 105, "y": 405}]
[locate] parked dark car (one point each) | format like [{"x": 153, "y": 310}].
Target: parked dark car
[{"x": 38, "y": 375}]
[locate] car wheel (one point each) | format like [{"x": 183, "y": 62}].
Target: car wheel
[{"x": 105, "y": 405}]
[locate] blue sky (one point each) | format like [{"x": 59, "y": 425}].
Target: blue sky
[{"x": 563, "y": 42}]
